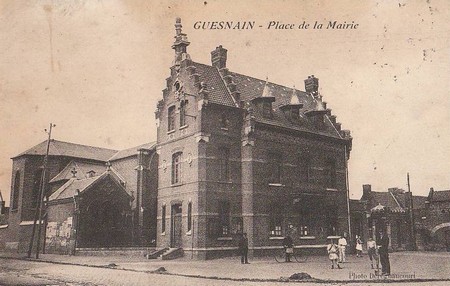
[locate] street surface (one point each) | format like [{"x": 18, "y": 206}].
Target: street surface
[{"x": 60, "y": 270}]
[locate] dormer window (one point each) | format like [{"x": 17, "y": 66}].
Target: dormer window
[
  {"x": 267, "y": 109},
  {"x": 292, "y": 109},
  {"x": 294, "y": 113},
  {"x": 224, "y": 121}
]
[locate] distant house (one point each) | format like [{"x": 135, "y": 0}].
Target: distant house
[
  {"x": 436, "y": 219},
  {"x": 390, "y": 212},
  {"x": 427, "y": 229}
]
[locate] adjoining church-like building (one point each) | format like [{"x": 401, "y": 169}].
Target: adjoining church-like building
[
  {"x": 95, "y": 198},
  {"x": 233, "y": 154}
]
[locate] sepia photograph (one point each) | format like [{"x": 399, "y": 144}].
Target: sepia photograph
[{"x": 219, "y": 142}]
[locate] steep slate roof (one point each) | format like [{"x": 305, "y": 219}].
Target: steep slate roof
[
  {"x": 81, "y": 167},
  {"x": 73, "y": 186},
  {"x": 69, "y": 189},
  {"x": 60, "y": 148},
  {"x": 396, "y": 201},
  {"x": 218, "y": 92},
  {"x": 250, "y": 88},
  {"x": 387, "y": 199},
  {"x": 132, "y": 151},
  {"x": 441, "y": 196},
  {"x": 419, "y": 202}
]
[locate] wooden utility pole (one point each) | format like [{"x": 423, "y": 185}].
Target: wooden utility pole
[
  {"x": 38, "y": 213},
  {"x": 411, "y": 216},
  {"x": 348, "y": 195}
]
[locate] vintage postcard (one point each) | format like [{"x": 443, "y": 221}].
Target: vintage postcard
[{"x": 224, "y": 142}]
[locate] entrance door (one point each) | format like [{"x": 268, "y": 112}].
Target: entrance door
[{"x": 175, "y": 240}]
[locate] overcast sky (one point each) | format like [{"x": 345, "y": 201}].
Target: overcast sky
[{"x": 96, "y": 69}]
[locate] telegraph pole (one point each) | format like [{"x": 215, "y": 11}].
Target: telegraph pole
[
  {"x": 411, "y": 216},
  {"x": 38, "y": 213},
  {"x": 348, "y": 194}
]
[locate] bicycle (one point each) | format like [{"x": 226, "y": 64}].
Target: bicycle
[{"x": 295, "y": 257}]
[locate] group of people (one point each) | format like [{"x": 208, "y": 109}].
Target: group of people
[{"x": 377, "y": 251}]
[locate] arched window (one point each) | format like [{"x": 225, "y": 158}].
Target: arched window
[
  {"x": 176, "y": 168},
  {"x": 16, "y": 190}
]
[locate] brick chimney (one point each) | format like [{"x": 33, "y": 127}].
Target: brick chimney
[
  {"x": 219, "y": 58},
  {"x": 367, "y": 190},
  {"x": 312, "y": 85}
]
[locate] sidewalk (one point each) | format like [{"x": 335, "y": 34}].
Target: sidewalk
[{"x": 405, "y": 266}]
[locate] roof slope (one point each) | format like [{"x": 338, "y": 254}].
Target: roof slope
[
  {"x": 132, "y": 151},
  {"x": 61, "y": 148},
  {"x": 71, "y": 188},
  {"x": 81, "y": 168},
  {"x": 441, "y": 196},
  {"x": 387, "y": 199},
  {"x": 218, "y": 92},
  {"x": 250, "y": 88},
  {"x": 75, "y": 186}
]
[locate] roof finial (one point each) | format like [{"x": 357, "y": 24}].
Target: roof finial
[
  {"x": 266, "y": 92},
  {"x": 180, "y": 44},
  {"x": 294, "y": 97},
  {"x": 178, "y": 26}
]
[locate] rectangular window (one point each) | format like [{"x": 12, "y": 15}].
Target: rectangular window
[
  {"x": 183, "y": 107},
  {"x": 224, "y": 218},
  {"x": 274, "y": 167},
  {"x": 163, "y": 219},
  {"x": 224, "y": 164},
  {"x": 189, "y": 217},
  {"x": 330, "y": 173},
  {"x": 171, "y": 119},
  {"x": 176, "y": 168},
  {"x": 305, "y": 169},
  {"x": 276, "y": 221},
  {"x": 304, "y": 223}
]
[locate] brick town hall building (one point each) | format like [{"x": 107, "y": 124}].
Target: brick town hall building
[{"x": 234, "y": 154}]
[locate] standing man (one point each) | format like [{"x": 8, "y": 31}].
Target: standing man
[
  {"x": 372, "y": 251},
  {"x": 384, "y": 253},
  {"x": 342, "y": 242},
  {"x": 288, "y": 245},
  {"x": 243, "y": 248}
]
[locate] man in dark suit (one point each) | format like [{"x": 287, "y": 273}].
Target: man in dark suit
[
  {"x": 384, "y": 253},
  {"x": 243, "y": 248}
]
